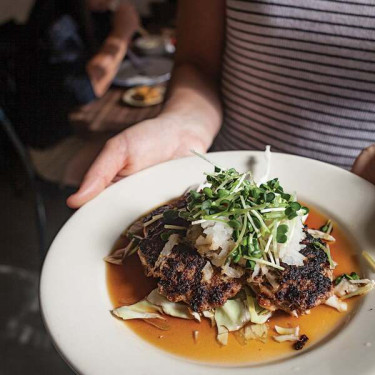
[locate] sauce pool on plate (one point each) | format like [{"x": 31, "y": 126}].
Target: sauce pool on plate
[{"x": 127, "y": 284}]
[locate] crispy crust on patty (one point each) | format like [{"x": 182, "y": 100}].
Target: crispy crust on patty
[
  {"x": 180, "y": 273},
  {"x": 298, "y": 288},
  {"x": 180, "y": 277}
]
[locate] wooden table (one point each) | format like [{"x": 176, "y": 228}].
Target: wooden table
[{"x": 110, "y": 114}]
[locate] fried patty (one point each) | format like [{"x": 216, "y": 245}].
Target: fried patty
[
  {"x": 297, "y": 288},
  {"x": 180, "y": 278},
  {"x": 180, "y": 272}
]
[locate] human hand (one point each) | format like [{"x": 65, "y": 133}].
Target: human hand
[
  {"x": 140, "y": 146},
  {"x": 125, "y": 20},
  {"x": 364, "y": 165}
]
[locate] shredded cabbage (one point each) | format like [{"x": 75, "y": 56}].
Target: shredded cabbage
[
  {"x": 207, "y": 272},
  {"x": 210, "y": 315},
  {"x": 267, "y": 156},
  {"x": 195, "y": 335},
  {"x": 287, "y": 331},
  {"x": 318, "y": 234},
  {"x": 361, "y": 290},
  {"x": 344, "y": 287},
  {"x": 222, "y": 336},
  {"x": 257, "y": 314},
  {"x": 255, "y": 332},
  {"x": 176, "y": 309},
  {"x": 173, "y": 240},
  {"x": 282, "y": 338},
  {"x": 232, "y": 315},
  {"x": 336, "y": 303},
  {"x": 235, "y": 272},
  {"x": 286, "y": 334},
  {"x": 152, "y": 306},
  {"x": 351, "y": 288},
  {"x": 140, "y": 310},
  {"x": 116, "y": 257}
]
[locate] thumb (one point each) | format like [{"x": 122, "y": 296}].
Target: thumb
[
  {"x": 109, "y": 162},
  {"x": 364, "y": 160}
]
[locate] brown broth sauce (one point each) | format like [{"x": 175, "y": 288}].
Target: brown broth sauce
[{"x": 127, "y": 284}]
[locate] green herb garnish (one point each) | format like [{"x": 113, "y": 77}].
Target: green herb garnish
[
  {"x": 282, "y": 230},
  {"x": 170, "y": 215},
  {"x": 261, "y": 216},
  {"x": 327, "y": 250},
  {"x": 352, "y": 276},
  {"x": 327, "y": 227}
]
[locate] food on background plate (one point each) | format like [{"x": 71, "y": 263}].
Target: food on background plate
[
  {"x": 146, "y": 93},
  {"x": 144, "y": 96},
  {"x": 234, "y": 252}
]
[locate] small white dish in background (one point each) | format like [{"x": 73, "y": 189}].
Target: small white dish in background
[
  {"x": 73, "y": 292},
  {"x": 150, "y": 45},
  {"x": 154, "y": 71},
  {"x": 144, "y": 96}
]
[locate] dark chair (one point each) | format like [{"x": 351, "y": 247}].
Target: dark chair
[
  {"x": 22, "y": 153},
  {"x": 8, "y": 43}
]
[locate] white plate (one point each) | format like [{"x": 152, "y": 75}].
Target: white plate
[
  {"x": 156, "y": 70},
  {"x": 74, "y": 298}
]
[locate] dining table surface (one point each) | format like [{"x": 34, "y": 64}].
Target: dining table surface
[{"x": 110, "y": 114}]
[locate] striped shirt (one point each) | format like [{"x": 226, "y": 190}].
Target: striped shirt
[{"x": 299, "y": 75}]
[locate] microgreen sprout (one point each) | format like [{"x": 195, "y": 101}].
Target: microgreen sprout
[
  {"x": 327, "y": 227},
  {"x": 370, "y": 260},
  {"x": 170, "y": 215},
  {"x": 260, "y": 216},
  {"x": 326, "y": 249},
  {"x": 281, "y": 233}
]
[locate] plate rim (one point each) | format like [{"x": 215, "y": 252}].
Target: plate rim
[{"x": 144, "y": 172}]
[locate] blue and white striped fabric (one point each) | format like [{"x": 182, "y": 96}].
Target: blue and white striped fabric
[{"x": 300, "y": 75}]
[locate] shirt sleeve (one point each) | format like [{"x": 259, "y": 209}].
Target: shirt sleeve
[{"x": 67, "y": 59}]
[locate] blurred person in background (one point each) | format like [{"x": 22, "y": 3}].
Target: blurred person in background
[
  {"x": 298, "y": 75},
  {"x": 70, "y": 53}
]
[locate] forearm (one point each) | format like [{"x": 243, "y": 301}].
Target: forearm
[
  {"x": 194, "y": 103},
  {"x": 194, "y": 94},
  {"x": 103, "y": 67}
]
